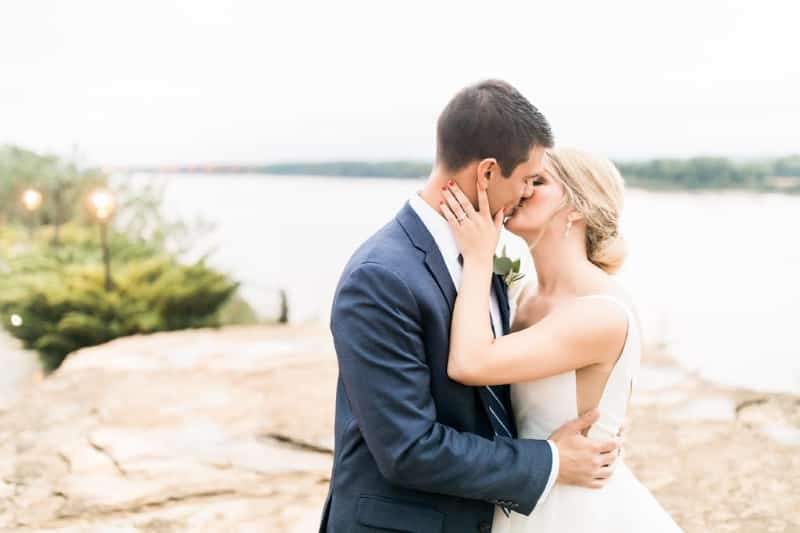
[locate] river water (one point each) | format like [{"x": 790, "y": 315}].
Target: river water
[{"x": 715, "y": 275}]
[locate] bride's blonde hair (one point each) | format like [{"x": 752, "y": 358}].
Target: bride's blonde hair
[{"x": 594, "y": 188}]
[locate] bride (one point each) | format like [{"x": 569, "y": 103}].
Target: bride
[{"x": 575, "y": 343}]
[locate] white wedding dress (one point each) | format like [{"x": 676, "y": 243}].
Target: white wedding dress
[{"x": 624, "y": 505}]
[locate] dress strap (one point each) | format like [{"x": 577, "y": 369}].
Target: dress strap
[
  {"x": 632, "y": 337},
  {"x": 610, "y": 298}
]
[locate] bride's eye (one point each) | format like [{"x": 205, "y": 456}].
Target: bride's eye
[{"x": 538, "y": 182}]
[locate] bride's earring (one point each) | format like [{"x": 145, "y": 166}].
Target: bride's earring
[{"x": 569, "y": 227}]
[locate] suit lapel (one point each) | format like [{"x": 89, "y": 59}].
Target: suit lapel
[
  {"x": 436, "y": 266},
  {"x": 423, "y": 241}
]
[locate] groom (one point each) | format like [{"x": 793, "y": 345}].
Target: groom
[{"x": 415, "y": 451}]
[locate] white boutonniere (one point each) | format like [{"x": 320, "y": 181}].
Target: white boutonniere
[{"x": 507, "y": 268}]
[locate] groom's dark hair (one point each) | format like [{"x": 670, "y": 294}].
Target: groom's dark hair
[{"x": 489, "y": 119}]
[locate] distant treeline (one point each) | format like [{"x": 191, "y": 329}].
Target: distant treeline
[
  {"x": 694, "y": 173},
  {"x": 385, "y": 169},
  {"x": 777, "y": 174},
  {"x": 714, "y": 173}
]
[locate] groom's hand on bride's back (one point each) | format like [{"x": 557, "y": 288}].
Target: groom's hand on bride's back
[{"x": 584, "y": 462}]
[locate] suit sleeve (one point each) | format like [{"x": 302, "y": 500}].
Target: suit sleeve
[{"x": 377, "y": 332}]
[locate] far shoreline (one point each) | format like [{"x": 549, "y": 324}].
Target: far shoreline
[
  {"x": 698, "y": 172},
  {"x": 631, "y": 184}
]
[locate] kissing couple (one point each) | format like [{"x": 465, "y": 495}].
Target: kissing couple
[{"x": 451, "y": 414}]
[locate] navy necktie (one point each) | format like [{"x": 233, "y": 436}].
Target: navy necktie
[{"x": 499, "y": 414}]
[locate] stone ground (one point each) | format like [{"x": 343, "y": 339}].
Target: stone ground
[
  {"x": 231, "y": 430},
  {"x": 20, "y": 368}
]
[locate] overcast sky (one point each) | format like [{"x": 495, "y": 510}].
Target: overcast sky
[{"x": 194, "y": 81}]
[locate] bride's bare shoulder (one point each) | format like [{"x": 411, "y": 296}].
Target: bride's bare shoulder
[{"x": 616, "y": 290}]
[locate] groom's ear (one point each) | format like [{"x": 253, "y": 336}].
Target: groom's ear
[{"x": 487, "y": 170}]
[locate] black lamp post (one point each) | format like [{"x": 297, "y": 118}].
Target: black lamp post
[
  {"x": 31, "y": 200},
  {"x": 103, "y": 204}
]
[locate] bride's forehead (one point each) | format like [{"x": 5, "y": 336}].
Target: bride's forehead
[{"x": 548, "y": 174}]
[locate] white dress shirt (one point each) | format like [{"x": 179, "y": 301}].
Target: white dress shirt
[{"x": 443, "y": 236}]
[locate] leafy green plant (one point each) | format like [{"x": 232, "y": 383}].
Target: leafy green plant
[
  {"x": 52, "y": 293},
  {"x": 62, "y": 309}
]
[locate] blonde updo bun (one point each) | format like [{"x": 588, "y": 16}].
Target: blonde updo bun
[
  {"x": 594, "y": 188},
  {"x": 611, "y": 254}
]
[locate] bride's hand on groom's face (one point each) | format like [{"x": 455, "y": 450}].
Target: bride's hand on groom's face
[
  {"x": 476, "y": 231},
  {"x": 585, "y": 462}
]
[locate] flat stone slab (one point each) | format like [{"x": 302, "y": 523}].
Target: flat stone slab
[
  {"x": 232, "y": 430},
  {"x": 21, "y": 369},
  {"x": 185, "y": 431}
]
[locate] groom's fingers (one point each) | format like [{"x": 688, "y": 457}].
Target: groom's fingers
[
  {"x": 586, "y": 420},
  {"x": 601, "y": 475},
  {"x": 579, "y": 425},
  {"x": 604, "y": 472},
  {"x": 607, "y": 447},
  {"x": 609, "y": 458}
]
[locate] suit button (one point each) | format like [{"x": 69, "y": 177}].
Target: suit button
[{"x": 485, "y": 527}]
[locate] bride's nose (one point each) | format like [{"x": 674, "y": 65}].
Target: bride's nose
[{"x": 528, "y": 191}]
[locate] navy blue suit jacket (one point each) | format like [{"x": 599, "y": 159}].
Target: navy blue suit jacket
[{"x": 414, "y": 450}]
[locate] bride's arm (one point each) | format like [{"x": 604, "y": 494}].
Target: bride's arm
[{"x": 573, "y": 336}]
